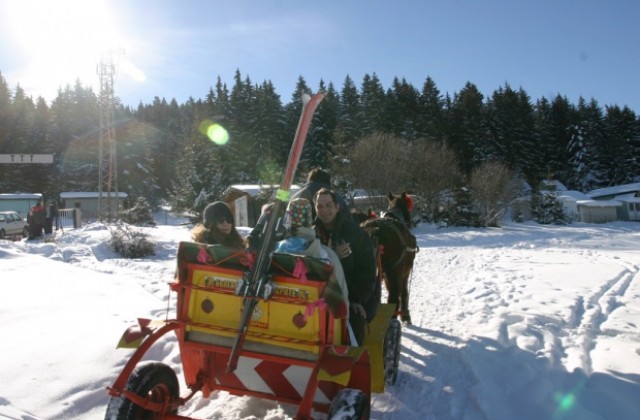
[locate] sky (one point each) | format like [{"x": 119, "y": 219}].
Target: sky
[
  {"x": 522, "y": 322},
  {"x": 176, "y": 50}
]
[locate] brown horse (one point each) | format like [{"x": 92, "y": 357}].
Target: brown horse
[{"x": 396, "y": 250}]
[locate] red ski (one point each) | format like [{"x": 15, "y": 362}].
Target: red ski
[{"x": 254, "y": 289}]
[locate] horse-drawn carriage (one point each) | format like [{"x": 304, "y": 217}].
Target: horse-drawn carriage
[{"x": 295, "y": 350}]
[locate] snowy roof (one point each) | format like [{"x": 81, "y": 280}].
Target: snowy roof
[
  {"x": 554, "y": 185},
  {"x": 254, "y": 189},
  {"x": 618, "y": 189},
  {"x": 600, "y": 203},
  {"x": 628, "y": 198},
  {"x": 576, "y": 195},
  {"x": 20, "y": 196},
  {"x": 89, "y": 194},
  {"x": 586, "y": 201}
]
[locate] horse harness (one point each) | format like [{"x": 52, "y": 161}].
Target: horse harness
[{"x": 406, "y": 248}]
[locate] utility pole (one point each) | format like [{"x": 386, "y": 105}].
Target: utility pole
[{"x": 107, "y": 158}]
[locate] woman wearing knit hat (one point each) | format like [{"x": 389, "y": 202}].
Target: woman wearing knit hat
[{"x": 217, "y": 227}]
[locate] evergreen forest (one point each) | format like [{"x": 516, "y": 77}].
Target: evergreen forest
[{"x": 165, "y": 155}]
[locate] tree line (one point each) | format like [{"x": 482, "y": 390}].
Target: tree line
[{"x": 400, "y": 138}]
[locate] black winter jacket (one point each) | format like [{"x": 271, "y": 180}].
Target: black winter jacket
[{"x": 359, "y": 267}]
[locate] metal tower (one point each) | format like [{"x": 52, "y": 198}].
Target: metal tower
[{"x": 107, "y": 162}]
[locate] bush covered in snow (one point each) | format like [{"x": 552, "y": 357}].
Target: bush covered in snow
[
  {"x": 140, "y": 214},
  {"x": 130, "y": 242}
]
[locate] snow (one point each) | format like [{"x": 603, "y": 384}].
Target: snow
[{"x": 526, "y": 322}]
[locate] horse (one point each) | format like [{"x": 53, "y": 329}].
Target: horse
[{"x": 396, "y": 249}]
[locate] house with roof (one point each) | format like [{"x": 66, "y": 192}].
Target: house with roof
[
  {"x": 88, "y": 202},
  {"x": 628, "y": 195},
  {"x": 579, "y": 207},
  {"x": 20, "y": 202}
]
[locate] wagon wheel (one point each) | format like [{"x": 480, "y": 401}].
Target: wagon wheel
[
  {"x": 25, "y": 232},
  {"x": 392, "y": 351},
  {"x": 154, "y": 381},
  {"x": 349, "y": 404}
]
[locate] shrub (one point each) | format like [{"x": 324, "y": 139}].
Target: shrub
[
  {"x": 130, "y": 242},
  {"x": 140, "y": 214}
]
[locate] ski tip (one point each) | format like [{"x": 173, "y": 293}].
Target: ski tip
[{"x": 305, "y": 98}]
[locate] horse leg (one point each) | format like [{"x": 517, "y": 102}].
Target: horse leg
[
  {"x": 404, "y": 300},
  {"x": 393, "y": 291}
]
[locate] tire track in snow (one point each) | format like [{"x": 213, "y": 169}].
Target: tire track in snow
[{"x": 589, "y": 313}]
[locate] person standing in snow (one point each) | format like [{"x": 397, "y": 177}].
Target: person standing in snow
[
  {"x": 217, "y": 227},
  {"x": 50, "y": 214},
  {"x": 36, "y": 223},
  {"x": 357, "y": 255}
]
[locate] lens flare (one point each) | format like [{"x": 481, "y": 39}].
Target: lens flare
[
  {"x": 218, "y": 134},
  {"x": 215, "y": 132}
]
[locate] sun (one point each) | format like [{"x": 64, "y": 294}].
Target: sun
[{"x": 61, "y": 41}]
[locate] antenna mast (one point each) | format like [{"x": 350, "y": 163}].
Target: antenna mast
[{"x": 107, "y": 162}]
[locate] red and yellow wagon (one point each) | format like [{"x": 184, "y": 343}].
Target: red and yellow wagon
[{"x": 295, "y": 350}]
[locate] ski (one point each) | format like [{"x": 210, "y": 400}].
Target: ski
[{"x": 256, "y": 280}]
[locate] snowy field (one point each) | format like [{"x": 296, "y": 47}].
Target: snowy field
[{"x": 524, "y": 322}]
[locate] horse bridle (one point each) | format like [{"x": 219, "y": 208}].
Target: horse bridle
[{"x": 396, "y": 213}]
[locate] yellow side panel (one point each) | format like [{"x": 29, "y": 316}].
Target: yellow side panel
[
  {"x": 374, "y": 342},
  {"x": 274, "y": 321}
]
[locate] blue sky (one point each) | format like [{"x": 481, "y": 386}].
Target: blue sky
[{"x": 176, "y": 49}]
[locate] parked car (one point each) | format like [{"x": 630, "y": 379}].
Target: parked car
[{"x": 11, "y": 223}]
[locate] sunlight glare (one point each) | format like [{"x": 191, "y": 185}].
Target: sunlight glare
[
  {"x": 131, "y": 70},
  {"x": 62, "y": 41}
]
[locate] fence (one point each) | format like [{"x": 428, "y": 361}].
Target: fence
[{"x": 69, "y": 218}]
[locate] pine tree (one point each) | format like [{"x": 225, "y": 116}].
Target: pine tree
[
  {"x": 430, "y": 118},
  {"x": 586, "y": 138},
  {"x": 76, "y": 138},
  {"x": 561, "y": 125},
  {"x": 546, "y": 209},
  {"x": 467, "y": 128},
  {"x": 462, "y": 211},
  {"x": 268, "y": 130},
  {"x": 349, "y": 113},
  {"x": 618, "y": 163},
  {"x": 372, "y": 103},
  {"x": 318, "y": 148},
  {"x": 243, "y": 153},
  {"x": 401, "y": 114},
  {"x": 510, "y": 127}
]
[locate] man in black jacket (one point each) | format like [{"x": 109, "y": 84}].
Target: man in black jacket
[
  {"x": 319, "y": 178},
  {"x": 357, "y": 255}
]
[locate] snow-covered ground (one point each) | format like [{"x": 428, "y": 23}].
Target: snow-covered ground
[{"x": 523, "y": 322}]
